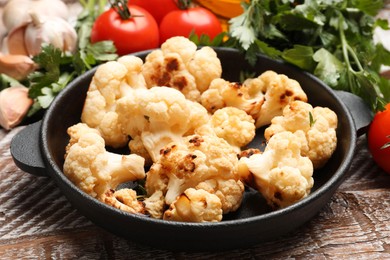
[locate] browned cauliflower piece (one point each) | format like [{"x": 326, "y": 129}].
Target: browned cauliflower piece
[
  {"x": 223, "y": 93},
  {"x": 280, "y": 173},
  {"x": 195, "y": 206},
  {"x": 112, "y": 80},
  {"x": 263, "y": 97},
  {"x": 207, "y": 161},
  {"x": 123, "y": 199},
  {"x": 318, "y": 125},
  {"x": 158, "y": 116},
  {"x": 178, "y": 64},
  {"x": 93, "y": 169}
]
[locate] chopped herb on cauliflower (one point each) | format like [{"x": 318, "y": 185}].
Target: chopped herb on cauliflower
[
  {"x": 280, "y": 173},
  {"x": 93, "y": 169},
  {"x": 158, "y": 116},
  {"x": 318, "y": 125},
  {"x": 198, "y": 159},
  {"x": 263, "y": 97},
  {"x": 178, "y": 64},
  {"x": 112, "y": 80}
]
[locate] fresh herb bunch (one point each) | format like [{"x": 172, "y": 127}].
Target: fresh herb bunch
[
  {"x": 333, "y": 39},
  {"x": 57, "y": 68}
]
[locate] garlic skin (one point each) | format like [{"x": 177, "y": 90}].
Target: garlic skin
[
  {"x": 14, "y": 105},
  {"x": 16, "y": 12},
  {"x": 16, "y": 66},
  {"x": 51, "y": 30}
]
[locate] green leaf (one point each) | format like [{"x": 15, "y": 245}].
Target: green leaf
[
  {"x": 301, "y": 56},
  {"x": 329, "y": 68},
  {"x": 370, "y": 7}
]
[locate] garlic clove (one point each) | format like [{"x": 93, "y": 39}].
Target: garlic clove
[
  {"x": 14, "y": 42},
  {"x": 16, "y": 66},
  {"x": 14, "y": 105}
]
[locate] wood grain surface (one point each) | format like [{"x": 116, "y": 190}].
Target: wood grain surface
[{"x": 37, "y": 222}]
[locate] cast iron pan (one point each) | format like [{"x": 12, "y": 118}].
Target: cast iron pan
[{"x": 39, "y": 149}]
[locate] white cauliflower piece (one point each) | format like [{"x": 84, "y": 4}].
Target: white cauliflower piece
[
  {"x": 232, "y": 124},
  {"x": 223, "y": 93},
  {"x": 158, "y": 116},
  {"x": 197, "y": 159},
  {"x": 111, "y": 81},
  {"x": 178, "y": 64},
  {"x": 280, "y": 174},
  {"x": 279, "y": 90},
  {"x": 263, "y": 97},
  {"x": 123, "y": 199},
  {"x": 318, "y": 125},
  {"x": 195, "y": 206},
  {"x": 93, "y": 169},
  {"x": 154, "y": 205}
]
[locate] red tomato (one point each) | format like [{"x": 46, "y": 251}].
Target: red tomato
[
  {"x": 157, "y": 8},
  {"x": 379, "y": 138},
  {"x": 182, "y": 22},
  {"x": 140, "y": 32}
]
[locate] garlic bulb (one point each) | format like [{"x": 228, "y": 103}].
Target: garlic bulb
[
  {"x": 14, "y": 105},
  {"x": 16, "y": 12},
  {"x": 51, "y": 30},
  {"x": 28, "y": 38}
]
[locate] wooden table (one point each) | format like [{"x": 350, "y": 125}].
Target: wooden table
[{"x": 37, "y": 222}]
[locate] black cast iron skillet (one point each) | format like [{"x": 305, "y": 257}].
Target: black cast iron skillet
[{"x": 39, "y": 149}]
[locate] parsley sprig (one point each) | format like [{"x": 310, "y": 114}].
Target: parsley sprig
[
  {"x": 333, "y": 39},
  {"x": 58, "y": 68}
]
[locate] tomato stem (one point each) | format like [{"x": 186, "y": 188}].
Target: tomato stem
[
  {"x": 183, "y": 4},
  {"x": 120, "y": 6}
]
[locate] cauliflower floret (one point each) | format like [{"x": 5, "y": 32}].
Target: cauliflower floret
[
  {"x": 159, "y": 115},
  {"x": 223, "y": 93},
  {"x": 111, "y": 81},
  {"x": 123, "y": 199},
  {"x": 94, "y": 170},
  {"x": 279, "y": 90},
  {"x": 178, "y": 64},
  {"x": 232, "y": 124},
  {"x": 318, "y": 125},
  {"x": 154, "y": 205},
  {"x": 195, "y": 206},
  {"x": 197, "y": 159},
  {"x": 228, "y": 191},
  {"x": 263, "y": 97},
  {"x": 280, "y": 174}
]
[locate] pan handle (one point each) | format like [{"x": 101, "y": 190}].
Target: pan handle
[
  {"x": 25, "y": 150},
  {"x": 360, "y": 112}
]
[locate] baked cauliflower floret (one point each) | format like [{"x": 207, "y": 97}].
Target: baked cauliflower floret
[
  {"x": 94, "y": 170},
  {"x": 178, "y": 64},
  {"x": 159, "y": 115},
  {"x": 279, "y": 90},
  {"x": 263, "y": 97},
  {"x": 280, "y": 173},
  {"x": 123, "y": 199},
  {"x": 197, "y": 159},
  {"x": 195, "y": 206},
  {"x": 223, "y": 93},
  {"x": 318, "y": 125},
  {"x": 111, "y": 82},
  {"x": 232, "y": 124}
]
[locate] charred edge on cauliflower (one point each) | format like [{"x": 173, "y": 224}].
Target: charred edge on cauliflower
[{"x": 196, "y": 141}]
